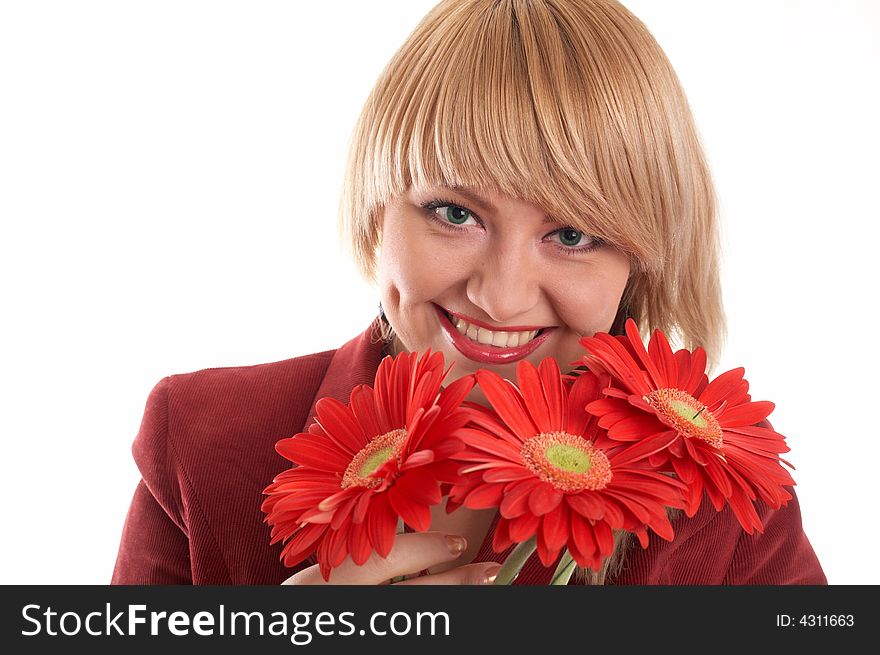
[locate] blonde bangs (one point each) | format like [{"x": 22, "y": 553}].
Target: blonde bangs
[
  {"x": 495, "y": 123},
  {"x": 480, "y": 103}
]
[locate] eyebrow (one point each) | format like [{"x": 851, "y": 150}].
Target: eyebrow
[{"x": 483, "y": 204}]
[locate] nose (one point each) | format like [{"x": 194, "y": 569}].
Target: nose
[{"x": 505, "y": 283}]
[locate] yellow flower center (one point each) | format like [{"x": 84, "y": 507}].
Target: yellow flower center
[
  {"x": 686, "y": 414},
  {"x": 371, "y": 457},
  {"x": 567, "y": 461}
]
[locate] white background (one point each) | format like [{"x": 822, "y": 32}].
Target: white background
[{"x": 169, "y": 178}]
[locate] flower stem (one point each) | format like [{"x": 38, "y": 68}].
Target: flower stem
[
  {"x": 515, "y": 561},
  {"x": 401, "y": 528},
  {"x": 563, "y": 572}
]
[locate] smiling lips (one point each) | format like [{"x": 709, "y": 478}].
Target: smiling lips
[
  {"x": 482, "y": 344},
  {"x": 499, "y": 339}
]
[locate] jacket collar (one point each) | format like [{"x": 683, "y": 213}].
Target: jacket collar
[{"x": 354, "y": 363}]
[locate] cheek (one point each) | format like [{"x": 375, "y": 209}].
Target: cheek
[
  {"x": 589, "y": 304},
  {"x": 416, "y": 267}
]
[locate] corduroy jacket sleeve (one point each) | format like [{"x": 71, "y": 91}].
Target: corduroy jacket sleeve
[
  {"x": 154, "y": 547},
  {"x": 206, "y": 452},
  {"x": 781, "y": 555}
]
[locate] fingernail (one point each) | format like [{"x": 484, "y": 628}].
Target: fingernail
[
  {"x": 456, "y": 544},
  {"x": 492, "y": 573}
]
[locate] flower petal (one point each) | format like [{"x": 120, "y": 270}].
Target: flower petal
[
  {"x": 301, "y": 545},
  {"x": 339, "y": 498},
  {"x": 606, "y": 353},
  {"x": 415, "y": 514},
  {"x": 661, "y": 354},
  {"x": 507, "y": 474},
  {"x": 544, "y": 498},
  {"x": 697, "y": 370},
  {"x": 337, "y": 542},
  {"x": 508, "y": 403},
  {"x": 381, "y": 523},
  {"x": 529, "y": 384},
  {"x": 417, "y": 459},
  {"x": 502, "y": 541},
  {"x": 586, "y": 503},
  {"x": 362, "y": 404},
  {"x": 555, "y": 527},
  {"x": 454, "y": 393},
  {"x": 635, "y": 428},
  {"x": 746, "y": 414},
  {"x": 360, "y": 509},
  {"x": 491, "y": 446},
  {"x": 606, "y": 406},
  {"x": 359, "y": 544},
  {"x": 641, "y": 449},
  {"x": 584, "y": 538},
  {"x": 311, "y": 450},
  {"x": 647, "y": 363},
  {"x": 523, "y": 527},
  {"x": 516, "y": 498},
  {"x": 554, "y": 391},
  {"x": 604, "y": 538},
  {"x": 721, "y": 387},
  {"x": 485, "y": 496},
  {"x": 341, "y": 426},
  {"x": 584, "y": 390}
]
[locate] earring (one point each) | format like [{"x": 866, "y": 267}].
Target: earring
[{"x": 382, "y": 313}]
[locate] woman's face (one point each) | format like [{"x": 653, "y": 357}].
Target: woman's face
[{"x": 489, "y": 280}]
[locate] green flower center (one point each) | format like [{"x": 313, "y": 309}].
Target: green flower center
[
  {"x": 568, "y": 458},
  {"x": 687, "y": 415},
  {"x": 381, "y": 449},
  {"x": 567, "y": 461},
  {"x": 686, "y": 411},
  {"x": 373, "y": 461}
]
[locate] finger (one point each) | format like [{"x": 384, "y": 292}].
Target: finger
[
  {"x": 412, "y": 552},
  {"x": 308, "y": 576},
  {"x": 469, "y": 574}
]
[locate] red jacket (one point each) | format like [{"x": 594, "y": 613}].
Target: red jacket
[{"x": 206, "y": 451}]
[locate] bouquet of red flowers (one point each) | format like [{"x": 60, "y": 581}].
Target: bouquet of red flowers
[{"x": 566, "y": 458}]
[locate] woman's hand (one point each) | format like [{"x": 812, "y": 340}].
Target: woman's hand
[{"x": 412, "y": 552}]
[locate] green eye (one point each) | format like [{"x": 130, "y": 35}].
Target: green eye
[
  {"x": 456, "y": 215},
  {"x": 570, "y": 237}
]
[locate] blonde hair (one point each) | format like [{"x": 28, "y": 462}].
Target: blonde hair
[
  {"x": 570, "y": 105},
  {"x": 613, "y": 565}
]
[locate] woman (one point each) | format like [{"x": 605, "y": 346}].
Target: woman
[{"x": 522, "y": 174}]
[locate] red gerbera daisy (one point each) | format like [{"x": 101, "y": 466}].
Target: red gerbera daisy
[
  {"x": 552, "y": 472},
  {"x": 665, "y": 404},
  {"x": 362, "y": 466}
]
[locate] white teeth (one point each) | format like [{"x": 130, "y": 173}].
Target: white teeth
[
  {"x": 491, "y": 338},
  {"x": 485, "y": 336}
]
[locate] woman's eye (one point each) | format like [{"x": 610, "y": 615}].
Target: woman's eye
[
  {"x": 454, "y": 214},
  {"x": 570, "y": 237}
]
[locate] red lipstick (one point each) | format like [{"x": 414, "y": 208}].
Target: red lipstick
[{"x": 486, "y": 354}]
